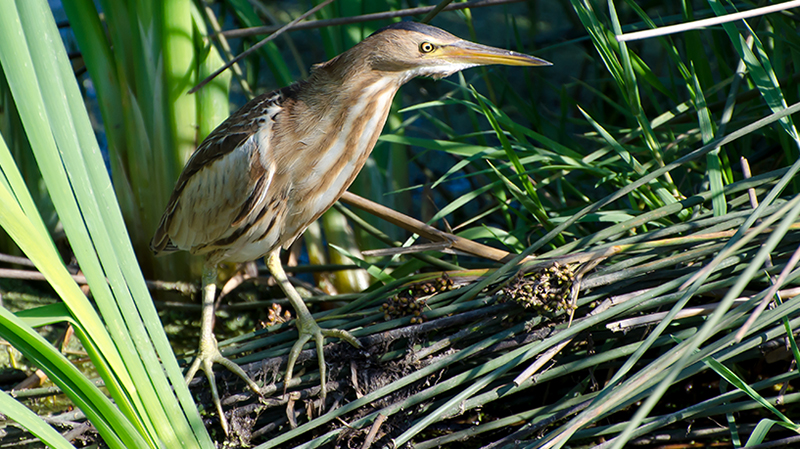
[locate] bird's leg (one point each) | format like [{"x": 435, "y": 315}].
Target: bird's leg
[
  {"x": 208, "y": 353},
  {"x": 306, "y": 325}
]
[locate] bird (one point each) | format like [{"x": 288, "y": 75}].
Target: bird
[{"x": 278, "y": 163}]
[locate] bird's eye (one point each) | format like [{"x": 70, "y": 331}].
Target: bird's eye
[{"x": 426, "y": 47}]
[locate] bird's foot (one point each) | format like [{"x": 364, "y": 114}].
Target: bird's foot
[
  {"x": 207, "y": 355},
  {"x": 309, "y": 329}
]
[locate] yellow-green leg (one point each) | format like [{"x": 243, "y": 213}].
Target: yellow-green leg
[
  {"x": 306, "y": 325},
  {"x": 208, "y": 353}
]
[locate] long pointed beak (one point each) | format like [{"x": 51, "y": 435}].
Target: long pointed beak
[{"x": 471, "y": 53}]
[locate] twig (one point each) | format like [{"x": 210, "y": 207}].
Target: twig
[
  {"x": 354, "y": 378},
  {"x": 377, "y": 233},
  {"x": 260, "y": 44},
  {"x": 313, "y": 24},
  {"x": 30, "y": 275},
  {"x": 184, "y": 288},
  {"x": 429, "y": 232},
  {"x": 436, "y": 10},
  {"x": 751, "y": 192},
  {"x": 24, "y": 261},
  {"x": 373, "y": 431},
  {"x": 211, "y": 18}
]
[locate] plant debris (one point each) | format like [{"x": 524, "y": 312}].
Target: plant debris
[
  {"x": 412, "y": 300},
  {"x": 544, "y": 290}
]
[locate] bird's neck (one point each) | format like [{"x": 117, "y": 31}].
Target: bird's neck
[
  {"x": 335, "y": 123},
  {"x": 352, "y": 106},
  {"x": 331, "y": 90}
]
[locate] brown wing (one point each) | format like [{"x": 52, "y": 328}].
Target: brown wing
[{"x": 217, "y": 181}]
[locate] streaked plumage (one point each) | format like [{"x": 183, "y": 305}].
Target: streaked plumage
[{"x": 277, "y": 164}]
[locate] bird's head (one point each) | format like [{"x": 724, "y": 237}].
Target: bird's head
[{"x": 414, "y": 49}]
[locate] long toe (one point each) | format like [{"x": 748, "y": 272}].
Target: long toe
[
  {"x": 207, "y": 356},
  {"x": 308, "y": 330},
  {"x": 297, "y": 348},
  {"x": 342, "y": 335}
]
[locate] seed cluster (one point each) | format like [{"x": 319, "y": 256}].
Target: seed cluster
[
  {"x": 545, "y": 290},
  {"x": 274, "y": 316},
  {"x": 412, "y": 300}
]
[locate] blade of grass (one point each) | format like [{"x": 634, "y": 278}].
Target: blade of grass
[
  {"x": 714, "y": 168},
  {"x": 707, "y": 328},
  {"x": 31, "y": 421},
  {"x": 734, "y": 380},
  {"x": 761, "y": 430},
  {"x": 759, "y": 69},
  {"x": 90, "y": 183},
  {"x": 373, "y": 270},
  {"x": 538, "y": 210}
]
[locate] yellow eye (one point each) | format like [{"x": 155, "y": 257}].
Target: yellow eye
[{"x": 426, "y": 47}]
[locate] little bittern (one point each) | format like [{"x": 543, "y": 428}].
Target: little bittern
[{"x": 275, "y": 165}]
